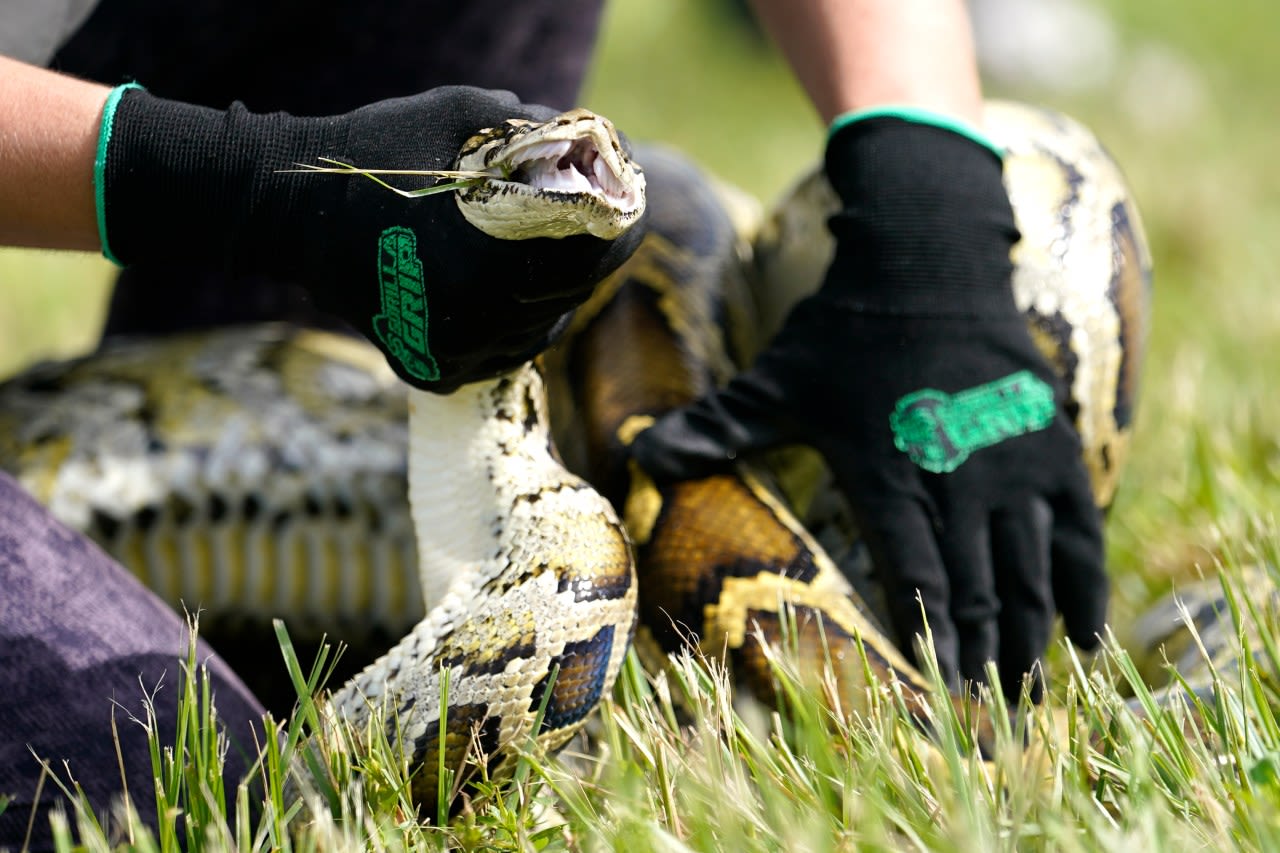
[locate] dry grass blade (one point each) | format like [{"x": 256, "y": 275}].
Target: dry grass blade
[{"x": 462, "y": 178}]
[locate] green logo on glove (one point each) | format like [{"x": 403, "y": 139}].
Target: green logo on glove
[
  {"x": 402, "y": 325},
  {"x": 939, "y": 431}
]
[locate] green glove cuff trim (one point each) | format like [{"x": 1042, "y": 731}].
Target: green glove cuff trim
[
  {"x": 938, "y": 431},
  {"x": 917, "y": 115},
  {"x": 402, "y": 324},
  {"x": 100, "y": 165}
]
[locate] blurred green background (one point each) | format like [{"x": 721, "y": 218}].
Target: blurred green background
[{"x": 1183, "y": 93}]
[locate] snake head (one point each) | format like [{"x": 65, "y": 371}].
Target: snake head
[{"x": 566, "y": 176}]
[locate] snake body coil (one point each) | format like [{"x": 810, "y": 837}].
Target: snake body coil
[
  {"x": 531, "y": 589},
  {"x": 259, "y": 470}
]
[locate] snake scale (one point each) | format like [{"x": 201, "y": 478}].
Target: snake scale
[{"x": 261, "y": 471}]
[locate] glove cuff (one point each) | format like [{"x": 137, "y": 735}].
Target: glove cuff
[
  {"x": 926, "y": 226},
  {"x": 919, "y": 115},
  {"x": 183, "y": 183},
  {"x": 99, "y": 166}
]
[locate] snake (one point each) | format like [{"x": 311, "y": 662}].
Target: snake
[{"x": 498, "y": 538}]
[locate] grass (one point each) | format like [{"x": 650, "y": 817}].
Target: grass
[
  {"x": 678, "y": 762},
  {"x": 1200, "y": 493}
]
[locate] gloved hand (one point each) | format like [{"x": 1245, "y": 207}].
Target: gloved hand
[
  {"x": 914, "y": 375},
  {"x": 198, "y": 186}
]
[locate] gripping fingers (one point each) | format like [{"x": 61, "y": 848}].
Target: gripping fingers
[
  {"x": 901, "y": 538},
  {"x": 1080, "y": 584},
  {"x": 1020, "y": 537},
  {"x": 964, "y": 544},
  {"x": 711, "y": 433}
]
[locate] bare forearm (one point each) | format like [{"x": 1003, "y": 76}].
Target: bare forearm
[
  {"x": 856, "y": 54},
  {"x": 48, "y": 138}
]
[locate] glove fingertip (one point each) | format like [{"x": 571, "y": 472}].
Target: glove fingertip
[
  {"x": 1084, "y": 630},
  {"x": 1082, "y": 593},
  {"x": 674, "y": 449}
]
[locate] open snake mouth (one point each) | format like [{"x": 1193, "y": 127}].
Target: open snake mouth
[
  {"x": 573, "y": 167},
  {"x": 566, "y": 176}
]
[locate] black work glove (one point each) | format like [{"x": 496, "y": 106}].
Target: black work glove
[
  {"x": 446, "y": 303},
  {"x": 914, "y": 375}
]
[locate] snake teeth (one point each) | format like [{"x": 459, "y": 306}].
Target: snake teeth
[
  {"x": 567, "y": 176},
  {"x": 574, "y": 167}
]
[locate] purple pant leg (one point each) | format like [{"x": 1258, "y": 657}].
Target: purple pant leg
[{"x": 79, "y": 639}]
